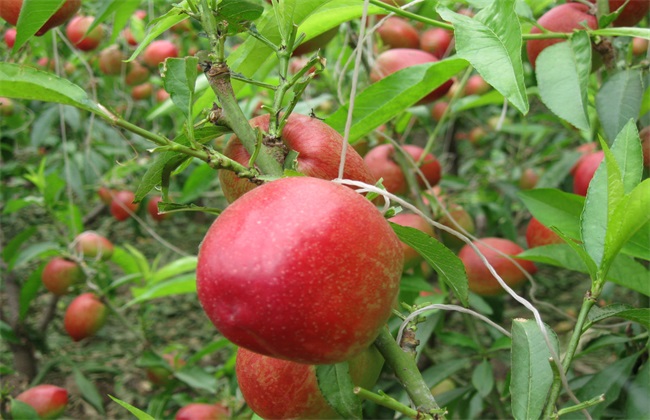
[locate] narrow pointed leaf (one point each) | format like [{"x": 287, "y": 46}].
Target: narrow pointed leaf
[
  {"x": 137, "y": 413},
  {"x": 491, "y": 42},
  {"x": 532, "y": 375},
  {"x": 563, "y": 79},
  {"x": 33, "y": 14},
  {"x": 88, "y": 391},
  {"x": 335, "y": 383},
  {"x": 122, "y": 9},
  {"x": 619, "y": 100}
]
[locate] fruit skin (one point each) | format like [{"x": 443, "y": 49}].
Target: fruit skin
[
  {"x": 10, "y": 9},
  {"x": 137, "y": 74},
  {"x": 632, "y": 14},
  {"x": 313, "y": 281},
  {"x": 396, "y": 59},
  {"x": 59, "y": 274},
  {"x": 142, "y": 92},
  {"x": 159, "y": 51},
  {"x": 162, "y": 95},
  {"x": 528, "y": 179},
  {"x": 476, "y": 85},
  {"x": 76, "y": 32},
  {"x": 396, "y": 32},
  {"x": 85, "y": 315},
  {"x": 585, "y": 172},
  {"x": 639, "y": 46},
  {"x": 280, "y": 389},
  {"x": 10, "y": 37},
  {"x": 152, "y": 208},
  {"x": 319, "y": 153},
  {"x": 644, "y": 134},
  {"x": 563, "y": 18},
  {"x": 111, "y": 60},
  {"x": 6, "y": 106},
  {"x": 123, "y": 200},
  {"x": 411, "y": 256},
  {"x": 438, "y": 109},
  {"x": 92, "y": 245},
  {"x": 200, "y": 411},
  {"x": 106, "y": 195},
  {"x": 436, "y": 41},
  {"x": 585, "y": 149},
  {"x": 49, "y": 401},
  {"x": 380, "y": 160},
  {"x": 480, "y": 279},
  {"x": 539, "y": 235}
]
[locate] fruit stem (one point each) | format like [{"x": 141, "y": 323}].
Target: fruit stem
[
  {"x": 408, "y": 374},
  {"x": 386, "y": 401},
  {"x": 587, "y": 304}
]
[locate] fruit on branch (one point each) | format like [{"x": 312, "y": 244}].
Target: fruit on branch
[
  {"x": 10, "y": 37},
  {"x": 49, "y": 401},
  {"x": 93, "y": 245},
  {"x": 160, "y": 375},
  {"x": 632, "y": 14},
  {"x": 480, "y": 279},
  {"x": 528, "y": 179},
  {"x": 319, "y": 41},
  {"x": 137, "y": 74},
  {"x": 319, "y": 149},
  {"x": 411, "y": 256},
  {"x": 477, "y": 134},
  {"x": 438, "y": 109},
  {"x": 312, "y": 281},
  {"x": 584, "y": 149},
  {"x": 105, "y": 194},
  {"x": 458, "y": 217},
  {"x": 396, "y": 59},
  {"x": 6, "y": 106},
  {"x": 539, "y": 235},
  {"x": 644, "y": 135},
  {"x": 158, "y": 51},
  {"x": 152, "y": 208},
  {"x": 162, "y": 95},
  {"x": 280, "y": 389},
  {"x": 476, "y": 85},
  {"x": 382, "y": 164},
  {"x": 111, "y": 60},
  {"x": 202, "y": 411},
  {"x": 397, "y": 32},
  {"x": 59, "y": 274},
  {"x": 436, "y": 41},
  {"x": 142, "y": 92},
  {"x": 122, "y": 206},
  {"x": 563, "y": 18},
  {"x": 585, "y": 172},
  {"x": 77, "y": 32},
  {"x": 10, "y": 9},
  {"x": 85, "y": 315},
  {"x": 639, "y": 46}
]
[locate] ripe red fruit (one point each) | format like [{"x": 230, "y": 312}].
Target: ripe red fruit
[
  {"x": 49, "y": 401},
  {"x": 280, "y": 389},
  {"x": 477, "y": 134},
  {"x": 528, "y": 179},
  {"x": 10, "y": 9},
  {"x": 438, "y": 109},
  {"x": 460, "y": 218},
  {"x": 319, "y": 41},
  {"x": 632, "y": 14},
  {"x": 161, "y": 95},
  {"x": 639, "y": 46},
  {"x": 585, "y": 149},
  {"x": 200, "y": 411},
  {"x": 563, "y": 18},
  {"x": 396, "y": 59},
  {"x": 644, "y": 134},
  {"x": 381, "y": 162},
  {"x": 93, "y": 245},
  {"x": 396, "y": 32},
  {"x": 128, "y": 36},
  {"x": 152, "y": 208},
  {"x": 480, "y": 279},
  {"x": 105, "y": 194},
  {"x": 6, "y": 106},
  {"x": 136, "y": 74},
  {"x": 585, "y": 172},
  {"x": 312, "y": 281},
  {"x": 539, "y": 235},
  {"x": 85, "y": 315},
  {"x": 10, "y": 37},
  {"x": 411, "y": 256},
  {"x": 142, "y": 92},
  {"x": 76, "y": 32},
  {"x": 111, "y": 60},
  {"x": 59, "y": 274},
  {"x": 122, "y": 205},
  {"x": 319, "y": 152},
  {"x": 158, "y": 51},
  {"x": 436, "y": 41},
  {"x": 476, "y": 85}
]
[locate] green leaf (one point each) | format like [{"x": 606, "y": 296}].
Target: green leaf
[
  {"x": 23, "y": 411},
  {"x": 640, "y": 315},
  {"x": 491, "y": 42},
  {"x": 88, "y": 391},
  {"x": 41, "y": 249},
  {"x": 454, "y": 339},
  {"x": 23, "y": 82},
  {"x": 624, "y": 270},
  {"x": 383, "y": 100},
  {"x": 638, "y": 405},
  {"x": 483, "y": 378},
  {"x": 175, "y": 286},
  {"x": 608, "y": 381},
  {"x": 238, "y": 13},
  {"x": 553, "y": 207},
  {"x": 563, "y": 73},
  {"x": 638, "y": 32},
  {"x": 335, "y": 383},
  {"x": 123, "y": 10},
  {"x": 33, "y": 14},
  {"x": 435, "y": 374},
  {"x": 197, "y": 183},
  {"x": 137, "y": 413},
  {"x": 11, "y": 248},
  {"x": 7, "y": 333},
  {"x": 29, "y": 291},
  {"x": 619, "y": 100},
  {"x": 532, "y": 375},
  {"x": 159, "y": 25},
  {"x": 197, "y": 378},
  {"x": 181, "y": 265},
  {"x": 449, "y": 267},
  {"x": 597, "y": 314},
  {"x": 179, "y": 78}
]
